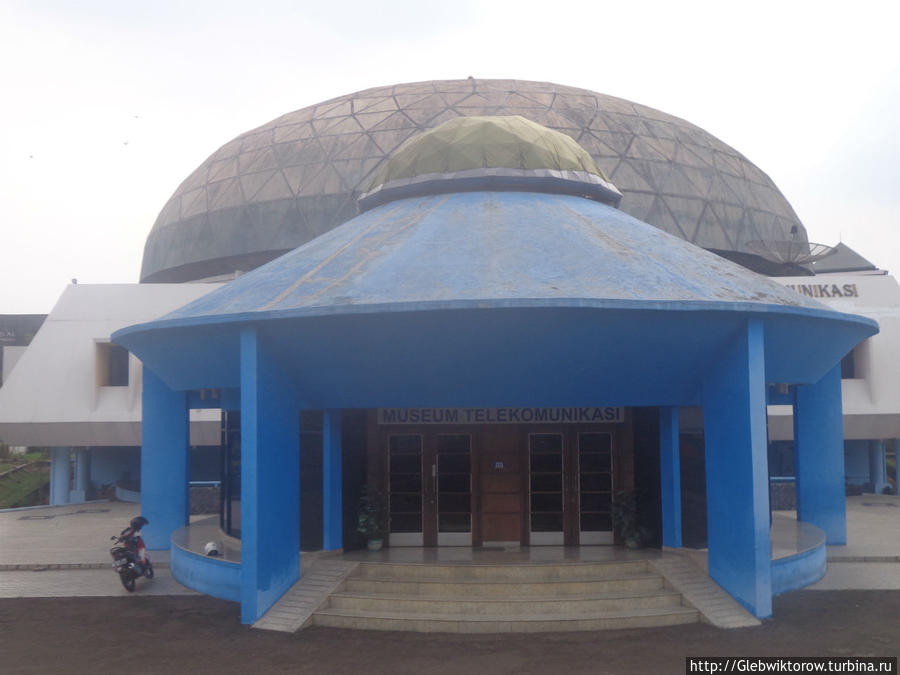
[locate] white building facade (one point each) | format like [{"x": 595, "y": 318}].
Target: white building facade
[
  {"x": 74, "y": 391},
  {"x": 869, "y": 376}
]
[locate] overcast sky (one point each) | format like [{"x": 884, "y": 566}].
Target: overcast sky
[{"x": 106, "y": 106}]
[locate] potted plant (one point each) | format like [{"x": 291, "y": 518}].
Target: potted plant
[
  {"x": 373, "y": 518},
  {"x": 625, "y": 518}
]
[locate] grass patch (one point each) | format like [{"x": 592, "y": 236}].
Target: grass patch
[{"x": 18, "y": 489}]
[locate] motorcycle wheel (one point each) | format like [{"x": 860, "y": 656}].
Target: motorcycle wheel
[
  {"x": 127, "y": 581},
  {"x": 148, "y": 570}
]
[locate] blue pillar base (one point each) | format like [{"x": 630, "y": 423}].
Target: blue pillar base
[
  {"x": 60, "y": 468},
  {"x": 164, "y": 461},
  {"x": 819, "y": 456},
  {"x": 734, "y": 401},
  {"x": 270, "y": 479}
]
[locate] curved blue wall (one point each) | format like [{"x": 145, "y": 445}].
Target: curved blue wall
[
  {"x": 218, "y": 578},
  {"x": 124, "y": 495},
  {"x": 798, "y": 571},
  {"x": 806, "y": 566}
]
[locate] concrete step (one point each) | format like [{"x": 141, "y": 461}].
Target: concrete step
[
  {"x": 502, "y": 572},
  {"x": 513, "y": 606},
  {"x": 499, "y": 598},
  {"x": 504, "y": 589},
  {"x": 533, "y": 623}
]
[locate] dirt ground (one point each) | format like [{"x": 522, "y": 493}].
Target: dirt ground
[{"x": 191, "y": 634}]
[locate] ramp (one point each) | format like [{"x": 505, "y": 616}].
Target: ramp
[{"x": 295, "y": 608}]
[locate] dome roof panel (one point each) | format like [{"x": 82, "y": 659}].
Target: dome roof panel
[
  {"x": 374, "y": 104},
  {"x": 486, "y": 142},
  {"x": 494, "y": 152},
  {"x": 225, "y": 194},
  {"x": 388, "y": 116}
]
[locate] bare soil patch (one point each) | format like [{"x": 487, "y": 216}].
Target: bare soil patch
[{"x": 190, "y": 634}]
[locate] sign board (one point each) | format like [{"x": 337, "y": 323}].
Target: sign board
[
  {"x": 826, "y": 290},
  {"x": 610, "y": 415}
]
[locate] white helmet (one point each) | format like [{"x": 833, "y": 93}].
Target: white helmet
[{"x": 212, "y": 548}]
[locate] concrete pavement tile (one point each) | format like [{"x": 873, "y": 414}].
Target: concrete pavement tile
[
  {"x": 859, "y": 576},
  {"x": 83, "y": 583}
]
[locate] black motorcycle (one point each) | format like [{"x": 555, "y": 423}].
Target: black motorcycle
[{"x": 130, "y": 554}]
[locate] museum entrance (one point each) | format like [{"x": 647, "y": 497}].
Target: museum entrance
[
  {"x": 549, "y": 483},
  {"x": 570, "y": 487},
  {"x": 430, "y": 488}
]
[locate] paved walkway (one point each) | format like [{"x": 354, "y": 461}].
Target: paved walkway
[
  {"x": 76, "y": 539},
  {"x": 63, "y": 551},
  {"x": 71, "y": 535},
  {"x": 871, "y": 558},
  {"x": 873, "y": 530},
  {"x": 84, "y": 583},
  {"x": 860, "y": 576}
]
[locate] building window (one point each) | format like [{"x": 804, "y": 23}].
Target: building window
[
  {"x": 853, "y": 366},
  {"x": 112, "y": 365},
  {"x": 848, "y": 367},
  {"x": 781, "y": 459},
  {"x": 230, "y": 514}
]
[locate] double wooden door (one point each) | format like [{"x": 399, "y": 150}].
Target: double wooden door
[
  {"x": 494, "y": 485},
  {"x": 430, "y": 488}
]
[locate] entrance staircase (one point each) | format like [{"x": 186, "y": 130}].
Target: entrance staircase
[{"x": 504, "y": 598}]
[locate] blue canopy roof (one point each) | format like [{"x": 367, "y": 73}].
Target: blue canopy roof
[
  {"x": 474, "y": 297},
  {"x": 491, "y": 249}
]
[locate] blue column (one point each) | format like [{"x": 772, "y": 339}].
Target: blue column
[
  {"x": 332, "y": 501},
  {"x": 734, "y": 401},
  {"x": 82, "y": 476},
  {"x": 819, "y": 456},
  {"x": 165, "y": 439},
  {"x": 670, "y": 476},
  {"x": 60, "y": 469},
  {"x": 270, "y": 479}
]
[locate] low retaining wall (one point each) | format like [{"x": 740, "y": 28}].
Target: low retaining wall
[
  {"x": 126, "y": 495},
  {"x": 798, "y": 554},
  {"x": 798, "y": 571},
  {"x": 210, "y": 575},
  {"x": 204, "y": 499}
]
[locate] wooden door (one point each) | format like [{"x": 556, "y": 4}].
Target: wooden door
[{"x": 500, "y": 485}]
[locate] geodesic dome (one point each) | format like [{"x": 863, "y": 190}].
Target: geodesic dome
[{"x": 273, "y": 188}]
